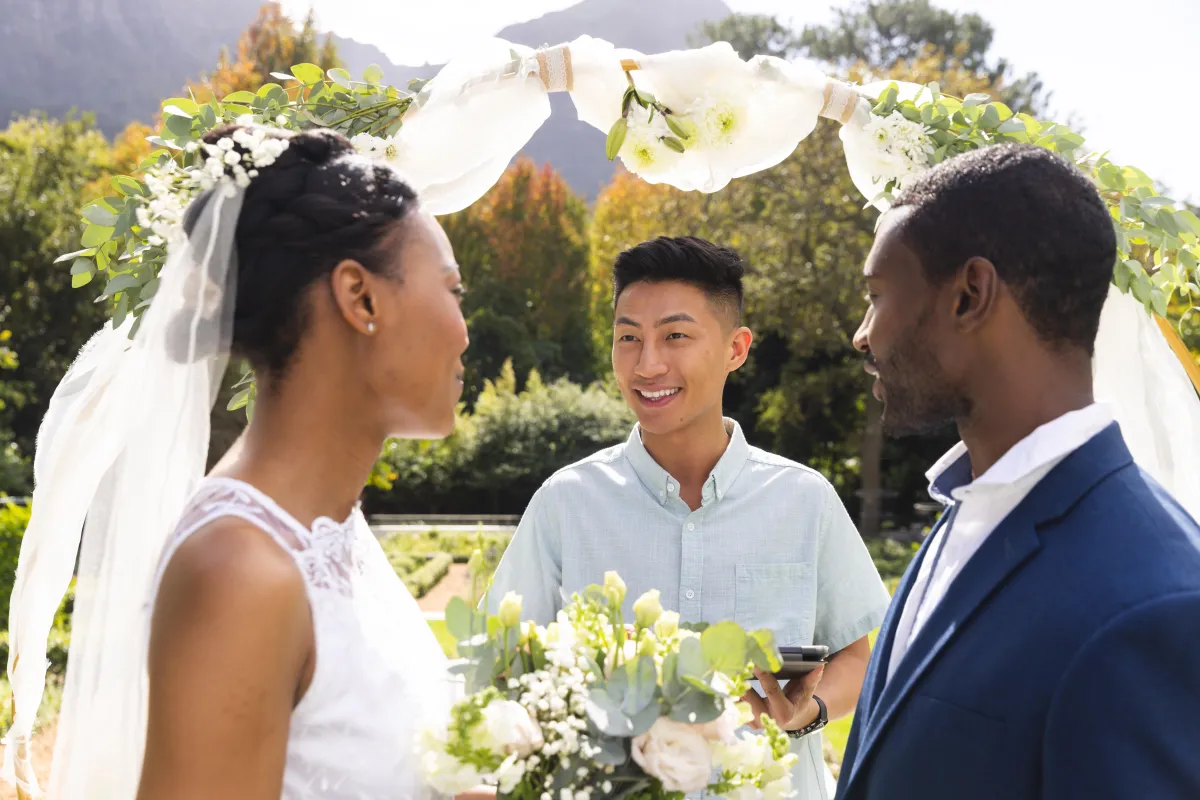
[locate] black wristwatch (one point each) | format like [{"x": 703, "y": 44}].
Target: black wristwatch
[{"x": 820, "y": 722}]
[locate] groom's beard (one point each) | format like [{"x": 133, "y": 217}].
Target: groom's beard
[{"x": 917, "y": 397}]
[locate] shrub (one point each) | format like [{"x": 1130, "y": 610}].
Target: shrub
[
  {"x": 891, "y": 557},
  {"x": 13, "y": 520},
  {"x": 503, "y": 450},
  {"x": 425, "y": 578}
]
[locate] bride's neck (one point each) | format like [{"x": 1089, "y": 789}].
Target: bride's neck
[{"x": 308, "y": 450}]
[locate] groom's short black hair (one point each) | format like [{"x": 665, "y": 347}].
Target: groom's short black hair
[
  {"x": 1035, "y": 216},
  {"x": 717, "y": 271}
]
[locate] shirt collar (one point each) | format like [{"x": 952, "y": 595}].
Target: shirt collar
[
  {"x": 1047, "y": 443},
  {"x": 663, "y": 486}
]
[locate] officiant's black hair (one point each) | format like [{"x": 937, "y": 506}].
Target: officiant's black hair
[
  {"x": 1035, "y": 216},
  {"x": 317, "y": 205},
  {"x": 717, "y": 271}
]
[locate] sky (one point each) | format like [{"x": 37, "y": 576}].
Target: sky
[{"x": 1126, "y": 72}]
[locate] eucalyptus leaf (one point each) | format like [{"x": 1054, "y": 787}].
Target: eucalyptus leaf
[
  {"x": 1122, "y": 276},
  {"x": 990, "y": 120},
  {"x": 611, "y": 752},
  {"x": 616, "y": 138},
  {"x": 308, "y": 74},
  {"x": 96, "y": 235},
  {"x": 184, "y": 105},
  {"x": 605, "y": 712},
  {"x": 764, "y": 639},
  {"x": 1190, "y": 219},
  {"x": 696, "y": 708},
  {"x": 81, "y": 265},
  {"x": 119, "y": 284},
  {"x": 81, "y": 280},
  {"x": 239, "y": 400},
  {"x": 1011, "y": 125},
  {"x": 643, "y": 685},
  {"x": 976, "y": 99},
  {"x": 87, "y": 251},
  {"x": 179, "y": 126},
  {"x": 724, "y": 646},
  {"x": 341, "y": 77},
  {"x": 458, "y": 618},
  {"x": 373, "y": 74},
  {"x": 121, "y": 311},
  {"x": 129, "y": 186},
  {"x": 691, "y": 660},
  {"x": 695, "y": 684},
  {"x": 176, "y": 111},
  {"x": 645, "y": 719}
]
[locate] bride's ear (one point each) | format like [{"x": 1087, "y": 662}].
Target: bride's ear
[{"x": 353, "y": 289}]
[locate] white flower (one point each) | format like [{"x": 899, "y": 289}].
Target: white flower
[
  {"x": 724, "y": 728},
  {"x": 509, "y": 773},
  {"x": 281, "y": 120},
  {"x": 676, "y": 754},
  {"x": 224, "y": 143},
  {"x": 667, "y": 625},
  {"x": 511, "y": 730},
  {"x": 718, "y": 122},
  {"x": 441, "y": 770},
  {"x": 648, "y": 608},
  {"x": 900, "y": 148},
  {"x": 510, "y": 610},
  {"x": 614, "y": 588}
]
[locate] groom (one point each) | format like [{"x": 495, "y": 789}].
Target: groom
[
  {"x": 686, "y": 506},
  {"x": 1043, "y": 644}
]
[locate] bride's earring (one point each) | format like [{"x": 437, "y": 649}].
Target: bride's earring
[{"x": 370, "y": 327}]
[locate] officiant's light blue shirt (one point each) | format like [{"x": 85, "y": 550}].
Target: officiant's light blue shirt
[{"x": 771, "y": 546}]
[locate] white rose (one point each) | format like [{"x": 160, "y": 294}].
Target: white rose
[
  {"x": 511, "y": 730},
  {"x": 676, "y": 754},
  {"x": 779, "y": 789},
  {"x": 724, "y": 728},
  {"x": 510, "y": 773},
  {"x": 442, "y": 771}
]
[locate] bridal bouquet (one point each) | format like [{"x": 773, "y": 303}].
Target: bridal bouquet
[{"x": 589, "y": 707}]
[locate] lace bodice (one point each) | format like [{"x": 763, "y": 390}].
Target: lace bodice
[{"x": 379, "y": 675}]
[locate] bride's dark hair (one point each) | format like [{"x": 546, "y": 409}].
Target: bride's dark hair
[{"x": 317, "y": 205}]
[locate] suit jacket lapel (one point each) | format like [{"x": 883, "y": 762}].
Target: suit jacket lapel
[
  {"x": 1009, "y": 546},
  {"x": 877, "y": 668}
]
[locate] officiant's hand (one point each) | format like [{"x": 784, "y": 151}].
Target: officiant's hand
[{"x": 792, "y": 708}]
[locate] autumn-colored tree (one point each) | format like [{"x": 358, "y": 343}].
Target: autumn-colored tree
[
  {"x": 523, "y": 250},
  {"x": 272, "y": 43}
]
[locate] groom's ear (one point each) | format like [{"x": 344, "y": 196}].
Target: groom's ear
[{"x": 976, "y": 288}]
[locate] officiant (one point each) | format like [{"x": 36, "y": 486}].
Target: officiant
[{"x": 686, "y": 506}]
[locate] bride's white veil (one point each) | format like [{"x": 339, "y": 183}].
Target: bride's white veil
[{"x": 120, "y": 451}]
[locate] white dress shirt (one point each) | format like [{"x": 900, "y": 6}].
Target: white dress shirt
[{"x": 982, "y": 506}]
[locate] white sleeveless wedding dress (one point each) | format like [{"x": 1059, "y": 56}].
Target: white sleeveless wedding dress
[{"x": 380, "y": 674}]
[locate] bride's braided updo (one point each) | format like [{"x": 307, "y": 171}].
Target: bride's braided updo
[{"x": 318, "y": 204}]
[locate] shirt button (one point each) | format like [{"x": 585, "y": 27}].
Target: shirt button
[
  {"x": 689, "y": 594},
  {"x": 670, "y": 487},
  {"x": 691, "y": 526}
]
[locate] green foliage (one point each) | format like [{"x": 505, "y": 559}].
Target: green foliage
[
  {"x": 121, "y": 254},
  {"x": 459, "y": 545},
  {"x": 523, "y": 252},
  {"x": 45, "y": 167},
  {"x": 891, "y": 558},
  {"x": 501, "y": 452},
  {"x": 884, "y": 33},
  {"x": 13, "y": 520},
  {"x": 1158, "y": 239},
  {"x": 425, "y": 577}
]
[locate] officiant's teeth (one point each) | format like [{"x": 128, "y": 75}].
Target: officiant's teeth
[{"x": 657, "y": 395}]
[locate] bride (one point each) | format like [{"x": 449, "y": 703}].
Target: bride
[{"x": 284, "y": 655}]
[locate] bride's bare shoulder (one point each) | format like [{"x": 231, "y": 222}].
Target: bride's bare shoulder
[{"x": 230, "y": 569}]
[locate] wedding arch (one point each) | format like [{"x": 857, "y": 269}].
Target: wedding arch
[{"x": 694, "y": 119}]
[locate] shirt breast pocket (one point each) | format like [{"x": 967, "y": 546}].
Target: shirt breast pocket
[{"x": 778, "y": 597}]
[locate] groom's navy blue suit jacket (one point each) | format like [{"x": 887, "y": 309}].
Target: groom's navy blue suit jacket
[{"x": 1063, "y": 662}]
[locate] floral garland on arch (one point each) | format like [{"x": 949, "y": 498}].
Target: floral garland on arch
[{"x": 694, "y": 119}]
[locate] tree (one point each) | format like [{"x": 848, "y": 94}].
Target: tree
[
  {"x": 45, "y": 167},
  {"x": 523, "y": 251},
  {"x": 882, "y": 34},
  {"x": 750, "y": 35},
  {"x": 272, "y": 43}
]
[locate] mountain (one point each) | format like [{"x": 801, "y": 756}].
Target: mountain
[{"x": 120, "y": 58}]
